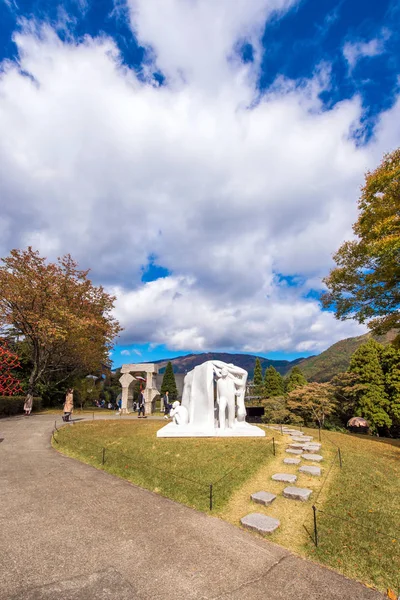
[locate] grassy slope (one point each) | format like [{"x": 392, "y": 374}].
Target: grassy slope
[
  {"x": 336, "y": 359},
  {"x": 362, "y": 537},
  {"x": 181, "y": 469},
  {"x": 364, "y": 494}
]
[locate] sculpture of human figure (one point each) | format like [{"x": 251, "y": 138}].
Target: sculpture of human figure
[
  {"x": 230, "y": 392},
  {"x": 179, "y": 413}
]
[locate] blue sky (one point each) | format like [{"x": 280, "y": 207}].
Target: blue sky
[{"x": 204, "y": 159}]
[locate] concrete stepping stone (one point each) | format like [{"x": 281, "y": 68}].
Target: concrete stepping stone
[
  {"x": 294, "y": 451},
  {"x": 311, "y": 447},
  {"x": 292, "y": 461},
  {"x": 296, "y": 493},
  {"x": 300, "y": 438},
  {"x": 264, "y": 498},
  {"x": 286, "y": 477},
  {"x": 296, "y": 446},
  {"x": 260, "y": 523},
  {"x": 308, "y": 470},
  {"x": 313, "y": 457}
]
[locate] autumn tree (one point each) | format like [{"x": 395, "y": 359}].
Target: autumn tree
[
  {"x": 312, "y": 402},
  {"x": 344, "y": 386},
  {"x": 372, "y": 399},
  {"x": 63, "y": 318},
  {"x": 296, "y": 379},
  {"x": 169, "y": 383},
  {"x": 273, "y": 383},
  {"x": 365, "y": 285},
  {"x": 275, "y": 410}
]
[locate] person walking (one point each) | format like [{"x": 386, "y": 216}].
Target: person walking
[
  {"x": 28, "y": 404},
  {"x": 141, "y": 405},
  {"x": 68, "y": 404}
]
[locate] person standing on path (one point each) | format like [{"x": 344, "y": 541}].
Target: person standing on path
[
  {"x": 68, "y": 404},
  {"x": 28, "y": 404},
  {"x": 141, "y": 404},
  {"x": 167, "y": 406}
]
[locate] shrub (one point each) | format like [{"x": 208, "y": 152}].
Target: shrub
[{"x": 13, "y": 405}]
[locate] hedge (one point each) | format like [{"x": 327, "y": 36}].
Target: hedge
[{"x": 13, "y": 405}]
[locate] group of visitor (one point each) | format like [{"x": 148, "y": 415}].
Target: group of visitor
[{"x": 138, "y": 405}]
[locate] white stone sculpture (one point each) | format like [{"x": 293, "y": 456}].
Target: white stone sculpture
[
  {"x": 213, "y": 399},
  {"x": 179, "y": 414}
]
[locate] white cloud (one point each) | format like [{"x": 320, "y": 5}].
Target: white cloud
[
  {"x": 125, "y": 352},
  {"x": 194, "y": 41},
  {"x": 354, "y": 51},
  {"x": 96, "y": 162},
  {"x": 176, "y": 312}
]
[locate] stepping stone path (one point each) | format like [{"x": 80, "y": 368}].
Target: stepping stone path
[
  {"x": 265, "y": 498},
  {"x": 259, "y": 522},
  {"x": 313, "y": 457},
  {"x": 310, "y": 470},
  {"x": 304, "y": 447},
  {"x": 286, "y": 477},
  {"x": 292, "y": 461},
  {"x": 295, "y": 493}
]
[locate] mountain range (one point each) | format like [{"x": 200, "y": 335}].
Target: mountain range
[
  {"x": 321, "y": 367},
  {"x": 182, "y": 364}
]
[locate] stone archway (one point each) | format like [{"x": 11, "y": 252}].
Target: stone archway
[{"x": 127, "y": 379}]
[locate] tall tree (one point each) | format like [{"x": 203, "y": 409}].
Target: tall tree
[
  {"x": 312, "y": 402},
  {"x": 391, "y": 368},
  {"x": 365, "y": 285},
  {"x": 169, "y": 383},
  {"x": 64, "y": 319},
  {"x": 296, "y": 379},
  {"x": 273, "y": 383},
  {"x": 372, "y": 399},
  {"x": 258, "y": 379},
  {"x": 346, "y": 395}
]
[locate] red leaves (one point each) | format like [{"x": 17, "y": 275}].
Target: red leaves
[{"x": 9, "y": 384}]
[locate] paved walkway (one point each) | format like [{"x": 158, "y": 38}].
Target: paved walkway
[{"x": 70, "y": 532}]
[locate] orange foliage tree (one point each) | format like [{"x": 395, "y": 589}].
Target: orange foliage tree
[{"x": 65, "y": 320}]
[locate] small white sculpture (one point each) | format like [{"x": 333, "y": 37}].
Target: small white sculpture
[{"x": 179, "y": 414}]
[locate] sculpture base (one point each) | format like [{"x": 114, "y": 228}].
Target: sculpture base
[{"x": 239, "y": 430}]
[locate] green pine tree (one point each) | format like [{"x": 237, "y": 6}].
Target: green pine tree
[
  {"x": 372, "y": 399},
  {"x": 258, "y": 379},
  {"x": 296, "y": 379},
  {"x": 273, "y": 383},
  {"x": 169, "y": 383}
]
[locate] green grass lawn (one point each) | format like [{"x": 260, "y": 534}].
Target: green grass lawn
[
  {"x": 359, "y": 522},
  {"x": 181, "y": 469},
  {"x": 358, "y": 506}
]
